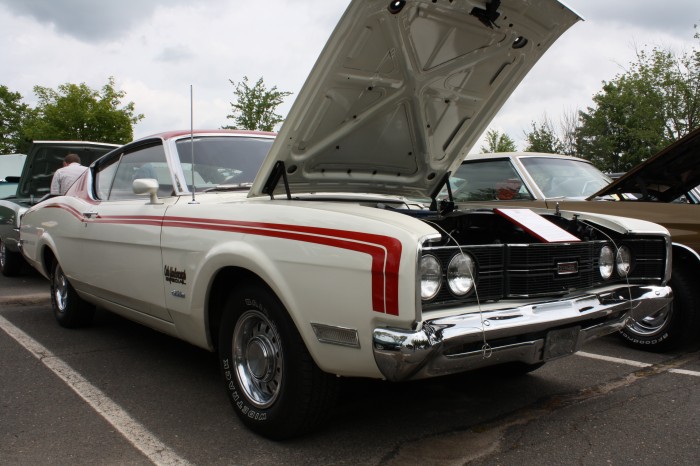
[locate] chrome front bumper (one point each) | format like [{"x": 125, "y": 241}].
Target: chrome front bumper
[{"x": 530, "y": 334}]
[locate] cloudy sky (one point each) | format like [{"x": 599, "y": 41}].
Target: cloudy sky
[{"x": 156, "y": 49}]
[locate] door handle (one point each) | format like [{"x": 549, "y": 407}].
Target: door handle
[{"x": 89, "y": 214}]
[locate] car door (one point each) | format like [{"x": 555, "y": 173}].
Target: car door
[{"x": 122, "y": 233}]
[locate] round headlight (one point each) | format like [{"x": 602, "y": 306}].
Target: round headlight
[
  {"x": 606, "y": 262},
  {"x": 623, "y": 261},
  {"x": 430, "y": 276},
  {"x": 460, "y": 274}
]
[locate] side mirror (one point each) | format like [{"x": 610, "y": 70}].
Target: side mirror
[{"x": 147, "y": 186}]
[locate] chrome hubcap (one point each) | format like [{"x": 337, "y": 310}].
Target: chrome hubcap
[
  {"x": 652, "y": 324},
  {"x": 60, "y": 289},
  {"x": 2, "y": 254},
  {"x": 257, "y": 352}
]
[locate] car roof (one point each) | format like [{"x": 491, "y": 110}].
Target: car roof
[{"x": 521, "y": 155}]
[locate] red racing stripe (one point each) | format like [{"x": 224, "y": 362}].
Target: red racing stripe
[{"x": 384, "y": 251}]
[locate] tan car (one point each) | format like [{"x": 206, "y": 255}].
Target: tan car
[{"x": 664, "y": 190}]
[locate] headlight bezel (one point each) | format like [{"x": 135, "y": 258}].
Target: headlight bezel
[
  {"x": 621, "y": 261},
  {"x": 606, "y": 262},
  {"x": 436, "y": 267},
  {"x": 458, "y": 260}
]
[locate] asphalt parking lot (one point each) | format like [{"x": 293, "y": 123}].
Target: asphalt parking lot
[{"x": 118, "y": 393}]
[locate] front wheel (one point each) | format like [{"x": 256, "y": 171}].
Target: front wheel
[
  {"x": 273, "y": 383},
  {"x": 69, "y": 309},
  {"x": 10, "y": 262},
  {"x": 672, "y": 326}
]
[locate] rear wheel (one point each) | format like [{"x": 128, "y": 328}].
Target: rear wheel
[
  {"x": 69, "y": 309},
  {"x": 10, "y": 261},
  {"x": 672, "y": 326},
  {"x": 273, "y": 383}
]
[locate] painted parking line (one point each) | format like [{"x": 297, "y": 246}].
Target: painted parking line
[
  {"x": 140, "y": 437},
  {"x": 685, "y": 372},
  {"x": 630, "y": 362}
]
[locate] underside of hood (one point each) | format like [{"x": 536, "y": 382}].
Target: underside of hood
[
  {"x": 402, "y": 91},
  {"x": 664, "y": 177}
]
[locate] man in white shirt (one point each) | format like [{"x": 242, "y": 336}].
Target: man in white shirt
[{"x": 66, "y": 176}]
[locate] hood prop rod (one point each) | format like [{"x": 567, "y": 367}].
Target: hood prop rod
[
  {"x": 446, "y": 206},
  {"x": 278, "y": 171}
]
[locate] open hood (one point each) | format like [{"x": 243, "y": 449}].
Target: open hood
[
  {"x": 402, "y": 91},
  {"x": 664, "y": 177}
]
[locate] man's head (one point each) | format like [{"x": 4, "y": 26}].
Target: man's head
[{"x": 71, "y": 158}]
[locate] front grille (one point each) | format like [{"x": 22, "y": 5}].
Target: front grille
[
  {"x": 532, "y": 269},
  {"x": 649, "y": 255},
  {"x": 542, "y": 269}
]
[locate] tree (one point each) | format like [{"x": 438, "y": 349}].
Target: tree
[
  {"x": 543, "y": 138},
  {"x": 625, "y": 127},
  {"x": 569, "y": 124},
  {"x": 13, "y": 114},
  {"x": 655, "y": 102},
  {"x": 77, "y": 112},
  {"x": 497, "y": 142},
  {"x": 254, "y": 108}
]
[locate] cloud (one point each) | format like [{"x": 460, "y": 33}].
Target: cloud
[
  {"x": 156, "y": 49},
  {"x": 175, "y": 54},
  {"x": 89, "y": 20},
  {"x": 654, "y": 17}
]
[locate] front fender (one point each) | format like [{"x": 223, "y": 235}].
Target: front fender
[
  {"x": 191, "y": 314},
  {"x": 340, "y": 278}
]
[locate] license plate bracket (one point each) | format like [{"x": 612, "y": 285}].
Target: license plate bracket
[{"x": 561, "y": 342}]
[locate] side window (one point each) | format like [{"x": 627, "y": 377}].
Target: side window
[
  {"x": 105, "y": 176},
  {"x": 145, "y": 162},
  {"x": 488, "y": 180}
]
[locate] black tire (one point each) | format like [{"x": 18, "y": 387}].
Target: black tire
[
  {"x": 10, "y": 262},
  {"x": 673, "y": 326},
  {"x": 273, "y": 383},
  {"x": 69, "y": 309}
]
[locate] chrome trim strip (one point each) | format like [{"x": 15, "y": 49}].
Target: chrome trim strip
[
  {"x": 423, "y": 244},
  {"x": 335, "y": 335},
  {"x": 434, "y": 349},
  {"x": 669, "y": 260}
]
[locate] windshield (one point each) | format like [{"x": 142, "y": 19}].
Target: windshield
[
  {"x": 222, "y": 160},
  {"x": 487, "y": 180},
  {"x": 568, "y": 178}
]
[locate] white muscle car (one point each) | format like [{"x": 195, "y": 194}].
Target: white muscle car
[{"x": 299, "y": 258}]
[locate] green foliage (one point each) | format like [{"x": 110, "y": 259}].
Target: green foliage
[
  {"x": 543, "y": 138},
  {"x": 642, "y": 110},
  {"x": 497, "y": 142},
  {"x": 653, "y": 103},
  {"x": 625, "y": 127},
  {"x": 77, "y": 112},
  {"x": 254, "y": 108},
  {"x": 13, "y": 114}
]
